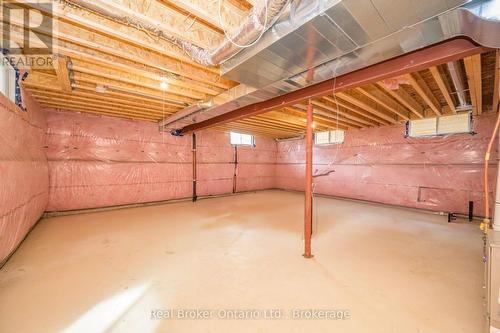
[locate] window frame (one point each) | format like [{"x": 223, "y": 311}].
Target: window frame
[
  {"x": 330, "y": 142},
  {"x": 8, "y": 78},
  {"x": 252, "y": 137},
  {"x": 470, "y": 131}
]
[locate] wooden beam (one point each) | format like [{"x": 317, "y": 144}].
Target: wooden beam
[
  {"x": 365, "y": 106},
  {"x": 105, "y": 51},
  {"x": 155, "y": 19},
  {"x": 281, "y": 116},
  {"x": 102, "y": 97},
  {"x": 343, "y": 116},
  {"x": 96, "y": 101},
  {"x": 378, "y": 96},
  {"x": 70, "y": 25},
  {"x": 207, "y": 13},
  {"x": 62, "y": 73},
  {"x": 342, "y": 122},
  {"x": 405, "y": 99},
  {"x": 136, "y": 79},
  {"x": 241, "y": 4},
  {"x": 99, "y": 106},
  {"x": 89, "y": 91},
  {"x": 370, "y": 119},
  {"x": 443, "y": 87},
  {"x": 418, "y": 83},
  {"x": 473, "y": 71},
  {"x": 252, "y": 122},
  {"x": 89, "y": 83},
  {"x": 318, "y": 119},
  {"x": 97, "y": 111},
  {"x": 280, "y": 123},
  {"x": 132, "y": 88},
  {"x": 241, "y": 128}
]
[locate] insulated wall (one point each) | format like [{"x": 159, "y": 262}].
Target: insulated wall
[
  {"x": 98, "y": 161},
  {"x": 23, "y": 170},
  {"x": 381, "y": 165}
]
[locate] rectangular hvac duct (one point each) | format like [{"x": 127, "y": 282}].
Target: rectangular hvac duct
[{"x": 311, "y": 33}]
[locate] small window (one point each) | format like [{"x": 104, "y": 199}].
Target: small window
[
  {"x": 240, "y": 139},
  {"x": 328, "y": 138},
  {"x": 7, "y": 79},
  {"x": 445, "y": 125}
]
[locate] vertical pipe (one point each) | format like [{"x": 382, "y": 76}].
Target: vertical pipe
[
  {"x": 496, "y": 216},
  {"x": 487, "y": 222},
  {"x": 195, "y": 196},
  {"x": 235, "y": 174},
  {"x": 308, "y": 184}
]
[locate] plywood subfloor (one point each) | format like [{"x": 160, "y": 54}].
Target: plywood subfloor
[{"x": 395, "y": 270}]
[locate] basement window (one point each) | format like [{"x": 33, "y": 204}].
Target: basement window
[
  {"x": 445, "y": 125},
  {"x": 8, "y": 80},
  {"x": 240, "y": 139},
  {"x": 330, "y": 137}
]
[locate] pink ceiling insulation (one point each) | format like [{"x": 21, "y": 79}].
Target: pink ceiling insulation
[
  {"x": 381, "y": 165},
  {"x": 98, "y": 161},
  {"x": 23, "y": 166}
]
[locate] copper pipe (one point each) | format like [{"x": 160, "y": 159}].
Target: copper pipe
[
  {"x": 486, "y": 165},
  {"x": 309, "y": 183}
]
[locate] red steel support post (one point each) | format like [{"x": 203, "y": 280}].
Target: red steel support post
[{"x": 309, "y": 179}]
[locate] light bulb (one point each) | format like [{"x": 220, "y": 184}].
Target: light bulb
[{"x": 163, "y": 85}]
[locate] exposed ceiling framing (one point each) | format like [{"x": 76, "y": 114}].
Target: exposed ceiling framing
[{"x": 126, "y": 65}]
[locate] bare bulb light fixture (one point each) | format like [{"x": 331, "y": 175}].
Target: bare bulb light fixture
[{"x": 164, "y": 85}]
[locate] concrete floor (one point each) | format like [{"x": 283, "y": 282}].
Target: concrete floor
[{"x": 393, "y": 270}]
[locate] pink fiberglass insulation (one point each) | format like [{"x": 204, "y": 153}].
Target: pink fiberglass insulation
[
  {"x": 381, "y": 165},
  {"x": 23, "y": 170},
  {"x": 98, "y": 161}
]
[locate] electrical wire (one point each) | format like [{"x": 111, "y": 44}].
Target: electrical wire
[
  {"x": 227, "y": 34},
  {"x": 328, "y": 172}
]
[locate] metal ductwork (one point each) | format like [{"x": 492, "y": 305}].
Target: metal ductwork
[
  {"x": 456, "y": 78},
  {"x": 347, "y": 35},
  {"x": 184, "y": 113}
]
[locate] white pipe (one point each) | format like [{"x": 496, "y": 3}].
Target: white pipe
[{"x": 456, "y": 80}]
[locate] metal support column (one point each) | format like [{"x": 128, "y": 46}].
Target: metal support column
[{"x": 308, "y": 183}]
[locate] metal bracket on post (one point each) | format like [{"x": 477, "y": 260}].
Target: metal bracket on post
[{"x": 176, "y": 132}]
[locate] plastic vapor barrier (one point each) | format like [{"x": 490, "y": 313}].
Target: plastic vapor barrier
[
  {"x": 23, "y": 170},
  {"x": 98, "y": 161},
  {"x": 65, "y": 160},
  {"x": 380, "y": 164}
]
